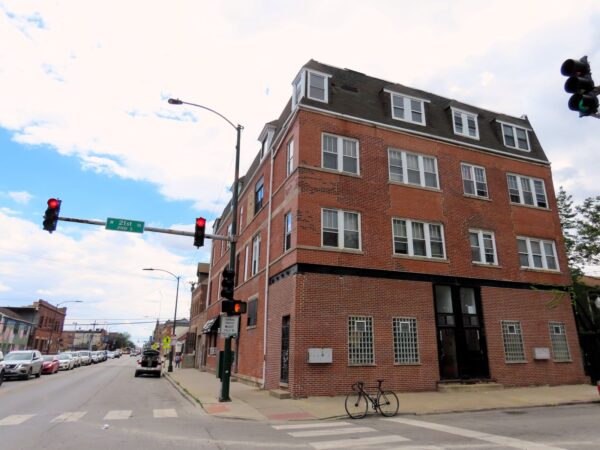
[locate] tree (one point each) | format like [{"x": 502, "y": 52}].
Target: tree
[
  {"x": 588, "y": 230},
  {"x": 569, "y": 226}
]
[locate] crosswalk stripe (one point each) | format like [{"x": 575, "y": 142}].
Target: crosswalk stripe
[
  {"x": 118, "y": 415},
  {"x": 15, "y": 419},
  {"x": 464, "y": 432},
  {"x": 299, "y": 426},
  {"x": 332, "y": 431},
  {"x": 160, "y": 413},
  {"x": 360, "y": 443},
  {"x": 69, "y": 417}
]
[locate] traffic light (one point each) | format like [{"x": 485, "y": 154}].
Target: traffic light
[
  {"x": 233, "y": 307},
  {"x": 581, "y": 85},
  {"x": 199, "y": 232},
  {"x": 51, "y": 215},
  {"x": 227, "y": 284}
]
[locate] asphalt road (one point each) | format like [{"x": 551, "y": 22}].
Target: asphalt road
[{"x": 105, "y": 407}]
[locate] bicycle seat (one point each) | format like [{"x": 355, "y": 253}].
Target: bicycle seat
[{"x": 380, "y": 381}]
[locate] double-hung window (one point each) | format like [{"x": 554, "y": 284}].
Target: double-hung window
[
  {"x": 515, "y": 137},
  {"x": 259, "y": 193},
  {"x": 255, "y": 254},
  {"x": 537, "y": 253},
  {"x": 287, "y": 232},
  {"x": 483, "y": 247},
  {"x": 527, "y": 191},
  {"x": 414, "y": 238},
  {"x": 298, "y": 89},
  {"x": 340, "y": 153},
  {"x": 289, "y": 165},
  {"x": 465, "y": 124},
  {"x": 340, "y": 229},
  {"x": 474, "y": 180},
  {"x": 318, "y": 86},
  {"x": 252, "y": 313},
  {"x": 413, "y": 168},
  {"x": 408, "y": 109}
]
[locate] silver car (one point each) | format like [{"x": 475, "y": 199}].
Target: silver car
[
  {"x": 22, "y": 364},
  {"x": 65, "y": 362},
  {"x": 86, "y": 357},
  {"x": 76, "y": 358}
]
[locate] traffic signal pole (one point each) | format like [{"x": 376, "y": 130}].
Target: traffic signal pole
[{"x": 226, "y": 374}]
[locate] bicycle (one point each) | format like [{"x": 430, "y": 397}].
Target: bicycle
[{"x": 357, "y": 402}]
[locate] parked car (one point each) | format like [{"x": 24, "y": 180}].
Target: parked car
[
  {"x": 110, "y": 355},
  {"x": 76, "y": 358},
  {"x": 22, "y": 364},
  {"x": 149, "y": 364},
  {"x": 86, "y": 357},
  {"x": 66, "y": 361},
  {"x": 1, "y": 368},
  {"x": 95, "y": 357},
  {"x": 50, "y": 364}
]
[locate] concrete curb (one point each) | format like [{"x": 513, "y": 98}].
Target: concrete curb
[{"x": 183, "y": 391}]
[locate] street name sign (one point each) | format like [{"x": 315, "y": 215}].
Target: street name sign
[
  {"x": 133, "y": 226},
  {"x": 229, "y": 326}
]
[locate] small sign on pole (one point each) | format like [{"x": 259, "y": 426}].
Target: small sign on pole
[{"x": 229, "y": 326}]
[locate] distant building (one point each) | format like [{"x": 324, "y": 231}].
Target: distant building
[
  {"x": 196, "y": 341},
  {"x": 161, "y": 330},
  {"x": 48, "y": 322},
  {"x": 96, "y": 339},
  {"x": 14, "y": 331}
]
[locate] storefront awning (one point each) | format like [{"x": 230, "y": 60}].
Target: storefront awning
[{"x": 211, "y": 325}]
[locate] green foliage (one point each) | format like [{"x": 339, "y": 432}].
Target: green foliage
[{"x": 588, "y": 230}]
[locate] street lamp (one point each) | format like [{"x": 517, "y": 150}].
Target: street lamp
[
  {"x": 54, "y": 324},
  {"x": 170, "y": 368},
  {"x": 224, "y": 397}
]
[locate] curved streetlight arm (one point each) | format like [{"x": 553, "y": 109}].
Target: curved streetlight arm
[
  {"x": 176, "y": 101},
  {"x": 69, "y": 301},
  {"x": 163, "y": 270}
]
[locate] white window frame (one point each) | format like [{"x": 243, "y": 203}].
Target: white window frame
[
  {"x": 464, "y": 116},
  {"x": 297, "y": 94},
  {"x": 544, "y": 256},
  {"x": 514, "y": 131},
  {"x": 246, "y": 263},
  {"x": 255, "y": 254},
  {"x": 471, "y": 168},
  {"x": 339, "y": 146},
  {"x": 361, "y": 352},
  {"x": 287, "y": 231},
  {"x": 481, "y": 247},
  {"x": 404, "y": 158},
  {"x": 341, "y": 229},
  {"x": 241, "y": 215},
  {"x": 311, "y": 74},
  {"x": 512, "y": 341},
  {"x": 405, "y": 342},
  {"x": 289, "y": 166},
  {"x": 410, "y": 240},
  {"x": 531, "y": 182},
  {"x": 396, "y": 98},
  {"x": 559, "y": 339}
]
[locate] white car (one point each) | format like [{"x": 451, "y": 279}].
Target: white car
[
  {"x": 65, "y": 362},
  {"x": 86, "y": 357},
  {"x": 22, "y": 364}
]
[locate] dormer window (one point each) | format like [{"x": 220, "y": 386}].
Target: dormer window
[
  {"x": 515, "y": 137},
  {"x": 317, "y": 86},
  {"x": 408, "y": 109},
  {"x": 465, "y": 124},
  {"x": 298, "y": 89}
]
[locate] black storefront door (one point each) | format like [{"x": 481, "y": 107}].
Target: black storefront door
[
  {"x": 462, "y": 347},
  {"x": 285, "y": 349}
]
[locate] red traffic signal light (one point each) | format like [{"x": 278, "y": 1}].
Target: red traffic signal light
[
  {"x": 199, "y": 232},
  {"x": 51, "y": 214},
  {"x": 233, "y": 307}
]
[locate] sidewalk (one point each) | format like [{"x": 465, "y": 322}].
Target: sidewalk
[{"x": 252, "y": 403}]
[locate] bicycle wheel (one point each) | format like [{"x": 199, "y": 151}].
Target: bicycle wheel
[
  {"x": 387, "y": 403},
  {"x": 356, "y": 405}
]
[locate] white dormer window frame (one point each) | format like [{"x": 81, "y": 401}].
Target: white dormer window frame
[
  {"x": 313, "y": 90},
  {"x": 407, "y": 108},
  {"x": 265, "y": 139},
  {"x": 462, "y": 128},
  {"x": 298, "y": 89},
  {"x": 511, "y": 131}
]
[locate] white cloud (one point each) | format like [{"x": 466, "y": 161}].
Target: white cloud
[
  {"x": 9, "y": 211},
  {"x": 22, "y": 197},
  {"x": 3, "y": 287}
]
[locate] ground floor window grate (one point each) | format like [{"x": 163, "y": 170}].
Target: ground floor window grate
[
  {"x": 406, "y": 344},
  {"x": 360, "y": 340},
  {"x": 558, "y": 337},
  {"x": 514, "y": 350}
]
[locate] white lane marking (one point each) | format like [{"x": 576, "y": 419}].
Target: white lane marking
[
  {"x": 361, "y": 443},
  {"x": 160, "y": 413},
  {"x": 310, "y": 425},
  {"x": 118, "y": 415},
  {"x": 15, "y": 419},
  {"x": 69, "y": 417},
  {"x": 332, "y": 431},
  {"x": 493, "y": 438}
]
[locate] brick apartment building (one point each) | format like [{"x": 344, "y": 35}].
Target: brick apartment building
[
  {"x": 196, "y": 339},
  {"x": 387, "y": 232}
]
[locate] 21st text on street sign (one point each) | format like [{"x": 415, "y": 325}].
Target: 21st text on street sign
[{"x": 132, "y": 226}]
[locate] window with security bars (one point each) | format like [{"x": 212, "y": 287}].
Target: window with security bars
[
  {"x": 514, "y": 350},
  {"x": 406, "y": 344},
  {"x": 360, "y": 340},
  {"x": 560, "y": 346}
]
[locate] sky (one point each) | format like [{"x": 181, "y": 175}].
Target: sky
[{"x": 84, "y": 117}]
